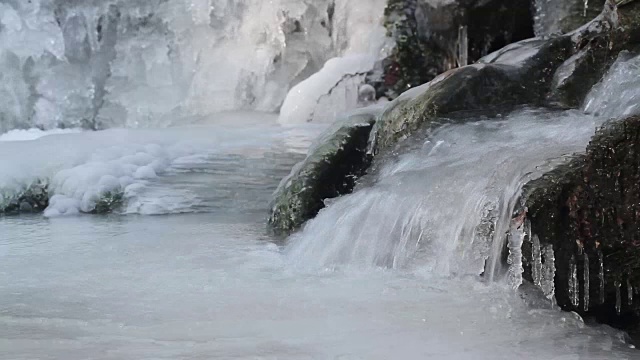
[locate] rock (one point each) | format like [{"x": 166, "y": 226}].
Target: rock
[
  {"x": 588, "y": 210},
  {"x": 562, "y": 16},
  {"x": 109, "y": 202},
  {"x": 520, "y": 73},
  {"x": 330, "y": 169},
  {"x": 33, "y": 199},
  {"x": 576, "y": 76},
  {"x": 523, "y": 73},
  {"x": 597, "y": 45},
  {"x": 428, "y": 35}
]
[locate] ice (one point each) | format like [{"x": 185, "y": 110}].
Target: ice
[
  {"x": 517, "y": 235},
  {"x": 332, "y": 91},
  {"x": 536, "y": 267},
  {"x": 548, "y": 273},
  {"x": 601, "y": 277},
  {"x": 617, "y": 285},
  {"x": 89, "y": 166},
  {"x": 463, "y": 46},
  {"x": 574, "y": 285},
  {"x": 115, "y": 63},
  {"x": 586, "y": 282}
]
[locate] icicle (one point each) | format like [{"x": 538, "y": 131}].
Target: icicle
[
  {"x": 629, "y": 292},
  {"x": 536, "y": 268},
  {"x": 586, "y": 7},
  {"x": 547, "y": 281},
  {"x": 586, "y": 283},
  {"x": 463, "y": 46},
  {"x": 618, "y": 298},
  {"x": 516, "y": 238},
  {"x": 601, "y": 276},
  {"x": 574, "y": 292}
]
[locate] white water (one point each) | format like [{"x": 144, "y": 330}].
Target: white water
[{"x": 389, "y": 272}]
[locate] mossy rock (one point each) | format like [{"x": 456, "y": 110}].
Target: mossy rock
[
  {"x": 330, "y": 170},
  {"x": 426, "y": 34},
  {"x": 589, "y": 209},
  {"x": 519, "y": 74}
]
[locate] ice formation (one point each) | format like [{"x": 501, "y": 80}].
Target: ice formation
[
  {"x": 89, "y": 166},
  {"x": 100, "y": 64}
]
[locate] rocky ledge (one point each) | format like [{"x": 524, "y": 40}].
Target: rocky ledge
[{"x": 585, "y": 218}]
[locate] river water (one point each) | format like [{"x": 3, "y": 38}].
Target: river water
[{"x": 187, "y": 271}]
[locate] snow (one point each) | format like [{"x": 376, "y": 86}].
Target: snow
[
  {"x": 32, "y": 134},
  {"x": 81, "y": 168},
  {"x": 328, "y": 93}
]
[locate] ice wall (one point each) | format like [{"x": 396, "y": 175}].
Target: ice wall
[{"x": 138, "y": 63}]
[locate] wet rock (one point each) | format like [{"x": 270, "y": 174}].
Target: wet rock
[
  {"x": 330, "y": 170},
  {"x": 562, "y": 16},
  {"x": 574, "y": 78},
  {"x": 520, "y": 73},
  {"x": 428, "y": 36},
  {"x": 588, "y": 210},
  {"x": 597, "y": 45},
  {"x": 109, "y": 202},
  {"x": 33, "y": 199}
]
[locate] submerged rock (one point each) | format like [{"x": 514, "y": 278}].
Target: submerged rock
[
  {"x": 33, "y": 199},
  {"x": 330, "y": 169},
  {"x": 588, "y": 211}
]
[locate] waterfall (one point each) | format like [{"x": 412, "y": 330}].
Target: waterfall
[
  {"x": 142, "y": 63},
  {"x": 444, "y": 201},
  {"x": 430, "y": 208}
]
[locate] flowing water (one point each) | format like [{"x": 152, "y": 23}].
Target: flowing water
[{"x": 409, "y": 266}]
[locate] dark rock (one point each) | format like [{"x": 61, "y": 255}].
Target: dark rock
[
  {"x": 109, "y": 202},
  {"x": 597, "y": 45},
  {"x": 590, "y": 209},
  {"x": 519, "y": 74},
  {"x": 562, "y": 16},
  {"x": 33, "y": 199},
  {"x": 427, "y": 36},
  {"x": 575, "y": 78},
  {"x": 330, "y": 170}
]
